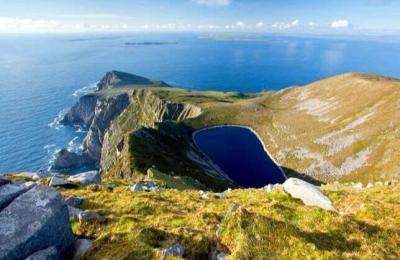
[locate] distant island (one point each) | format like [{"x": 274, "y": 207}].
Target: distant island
[{"x": 151, "y": 43}]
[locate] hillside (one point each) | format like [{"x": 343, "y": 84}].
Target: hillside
[
  {"x": 343, "y": 128},
  {"x": 239, "y": 223}
]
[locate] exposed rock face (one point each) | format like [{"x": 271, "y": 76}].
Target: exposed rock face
[
  {"x": 145, "y": 110},
  {"x": 82, "y": 112},
  {"x": 36, "y": 220},
  {"x": 68, "y": 160},
  {"x": 97, "y": 113},
  {"x": 106, "y": 110},
  {"x": 308, "y": 193}
]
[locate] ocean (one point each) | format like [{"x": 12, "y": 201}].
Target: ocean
[{"x": 42, "y": 75}]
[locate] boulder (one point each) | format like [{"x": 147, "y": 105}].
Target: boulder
[
  {"x": 222, "y": 256},
  {"x": 50, "y": 253},
  {"x": 308, "y": 193},
  {"x": 59, "y": 182},
  {"x": 136, "y": 187},
  {"x": 33, "y": 221},
  {"x": 176, "y": 250},
  {"x": 73, "y": 213},
  {"x": 81, "y": 246},
  {"x": 9, "y": 192},
  {"x": 4, "y": 182},
  {"x": 74, "y": 201},
  {"x": 220, "y": 195},
  {"x": 88, "y": 216},
  {"x": 358, "y": 186},
  {"x": 86, "y": 178},
  {"x": 203, "y": 194}
]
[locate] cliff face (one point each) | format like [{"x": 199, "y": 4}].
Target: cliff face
[{"x": 145, "y": 110}]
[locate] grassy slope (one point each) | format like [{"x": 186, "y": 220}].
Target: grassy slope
[
  {"x": 357, "y": 111},
  {"x": 138, "y": 225}
]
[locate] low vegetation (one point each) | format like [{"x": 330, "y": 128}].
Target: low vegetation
[{"x": 138, "y": 225}]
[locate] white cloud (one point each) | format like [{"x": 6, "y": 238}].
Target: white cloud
[
  {"x": 340, "y": 24},
  {"x": 260, "y": 25},
  {"x": 213, "y": 2},
  {"x": 312, "y": 24},
  {"x": 11, "y": 25},
  {"x": 284, "y": 25},
  {"x": 240, "y": 24}
]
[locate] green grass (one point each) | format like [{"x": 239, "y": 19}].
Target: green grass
[{"x": 137, "y": 225}]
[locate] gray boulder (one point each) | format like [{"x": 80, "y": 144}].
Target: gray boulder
[
  {"x": 222, "y": 256},
  {"x": 176, "y": 250},
  {"x": 9, "y": 192},
  {"x": 50, "y": 253},
  {"x": 308, "y": 193},
  {"x": 88, "y": 216},
  {"x": 4, "y": 182},
  {"x": 58, "y": 182},
  {"x": 34, "y": 221},
  {"x": 136, "y": 187},
  {"x": 73, "y": 213},
  {"x": 81, "y": 246},
  {"x": 74, "y": 201},
  {"x": 86, "y": 178}
]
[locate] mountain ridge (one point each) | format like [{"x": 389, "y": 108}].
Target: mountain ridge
[{"x": 319, "y": 130}]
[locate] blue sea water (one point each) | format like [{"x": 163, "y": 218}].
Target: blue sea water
[
  {"x": 39, "y": 75},
  {"x": 240, "y": 154}
]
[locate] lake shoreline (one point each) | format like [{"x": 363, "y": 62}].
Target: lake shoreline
[{"x": 236, "y": 126}]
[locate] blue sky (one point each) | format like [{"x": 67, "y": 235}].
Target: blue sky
[{"x": 287, "y": 16}]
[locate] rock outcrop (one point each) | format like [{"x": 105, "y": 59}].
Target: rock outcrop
[
  {"x": 308, "y": 193},
  {"x": 70, "y": 160},
  {"x": 34, "y": 221},
  {"x": 86, "y": 178}
]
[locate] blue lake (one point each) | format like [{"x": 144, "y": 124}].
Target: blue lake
[
  {"x": 239, "y": 153},
  {"x": 39, "y": 75}
]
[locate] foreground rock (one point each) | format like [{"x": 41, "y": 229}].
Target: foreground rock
[
  {"x": 74, "y": 201},
  {"x": 308, "y": 193},
  {"x": 81, "y": 246},
  {"x": 175, "y": 250},
  {"x": 36, "y": 220},
  {"x": 88, "y": 216},
  {"x": 86, "y": 178},
  {"x": 9, "y": 192},
  {"x": 50, "y": 253},
  {"x": 59, "y": 182}
]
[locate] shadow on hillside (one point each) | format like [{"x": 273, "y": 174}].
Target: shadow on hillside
[{"x": 295, "y": 174}]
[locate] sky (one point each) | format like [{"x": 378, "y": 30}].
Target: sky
[{"x": 285, "y": 16}]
